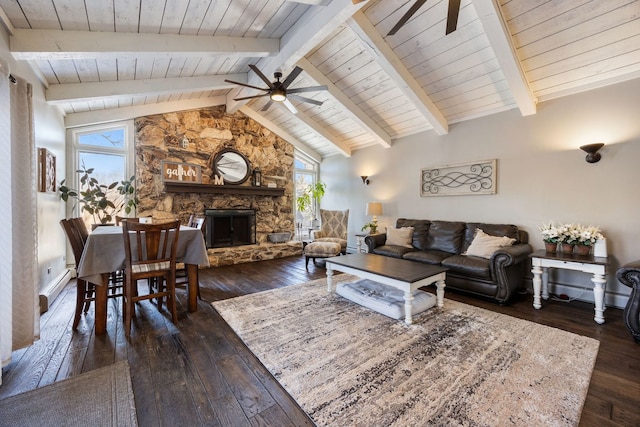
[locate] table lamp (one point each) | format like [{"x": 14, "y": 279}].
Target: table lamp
[{"x": 374, "y": 208}]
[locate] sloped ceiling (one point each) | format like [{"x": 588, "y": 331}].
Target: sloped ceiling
[{"x": 111, "y": 60}]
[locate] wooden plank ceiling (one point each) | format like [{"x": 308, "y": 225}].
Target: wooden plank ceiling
[{"x": 109, "y": 60}]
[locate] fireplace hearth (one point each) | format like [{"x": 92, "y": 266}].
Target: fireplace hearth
[{"x": 230, "y": 227}]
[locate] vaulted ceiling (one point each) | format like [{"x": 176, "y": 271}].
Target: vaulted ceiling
[{"x": 106, "y": 60}]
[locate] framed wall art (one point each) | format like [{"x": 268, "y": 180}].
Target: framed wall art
[
  {"x": 458, "y": 180},
  {"x": 180, "y": 172},
  {"x": 46, "y": 171}
]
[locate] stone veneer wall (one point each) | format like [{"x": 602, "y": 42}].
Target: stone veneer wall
[{"x": 210, "y": 130}]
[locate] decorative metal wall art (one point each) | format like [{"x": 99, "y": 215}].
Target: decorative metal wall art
[
  {"x": 46, "y": 171},
  {"x": 458, "y": 180}
]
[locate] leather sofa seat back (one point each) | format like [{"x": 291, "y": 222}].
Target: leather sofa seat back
[
  {"x": 420, "y": 231},
  {"x": 446, "y": 236},
  {"x": 497, "y": 230}
]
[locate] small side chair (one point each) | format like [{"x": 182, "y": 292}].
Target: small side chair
[{"x": 150, "y": 253}]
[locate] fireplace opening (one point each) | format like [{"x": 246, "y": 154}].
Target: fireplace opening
[{"x": 230, "y": 227}]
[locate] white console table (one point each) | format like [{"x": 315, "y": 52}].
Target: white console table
[
  {"x": 360, "y": 245},
  {"x": 542, "y": 260}
]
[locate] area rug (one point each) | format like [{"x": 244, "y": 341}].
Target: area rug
[
  {"x": 458, "y": 365},
  {"x": 102, "y": 397}
]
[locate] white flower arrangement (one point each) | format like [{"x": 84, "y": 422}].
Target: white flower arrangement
[
  {"x": 573, "y": 234},
  {"x": 550, "y": 234},
  {"x": 589, "y": 235}
]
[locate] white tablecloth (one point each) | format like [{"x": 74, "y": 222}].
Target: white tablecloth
[{"x": 104, "y": 251}]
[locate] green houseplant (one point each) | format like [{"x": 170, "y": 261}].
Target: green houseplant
[
  {"x": 102, "y": 201},
  {"x": 305, "y": 202}
]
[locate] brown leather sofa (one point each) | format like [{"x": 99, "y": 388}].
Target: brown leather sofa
[
  {"x": 629, "y": 275},
  {"x": 445, "y": 242}
]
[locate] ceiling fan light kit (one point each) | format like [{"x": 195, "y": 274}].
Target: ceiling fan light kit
[{"x": 278, "y": 91}]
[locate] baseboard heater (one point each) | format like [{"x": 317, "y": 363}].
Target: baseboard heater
[{"x": 51, "y": 292}]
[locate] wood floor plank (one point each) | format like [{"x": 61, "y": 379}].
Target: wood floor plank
[{"x": 199, "y": 372}]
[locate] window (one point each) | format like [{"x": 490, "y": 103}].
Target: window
[
  {"x": 305, "y": 175},
  {"x": 108, "y": 149}
]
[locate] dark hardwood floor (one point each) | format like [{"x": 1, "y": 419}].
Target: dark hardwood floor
[{"x": 198, "y": 372}]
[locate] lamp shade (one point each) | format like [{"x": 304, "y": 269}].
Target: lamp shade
[{"x": 374, "y": 208}]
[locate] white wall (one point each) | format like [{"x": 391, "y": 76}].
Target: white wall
[
  {"x": 542, "y": 175},
  {"x": 50, "y": 134}
]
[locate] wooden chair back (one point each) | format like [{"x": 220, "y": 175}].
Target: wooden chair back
[
  {"x": 150, "y": 253},
  {"x": 74, "y": 237}
]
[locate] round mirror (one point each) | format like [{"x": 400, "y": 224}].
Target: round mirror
[{"x": 232, "y": 166}]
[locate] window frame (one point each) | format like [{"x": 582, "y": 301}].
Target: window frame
[
  {"x": 315, "y": 177},
  {"x": 75, "y": 148}
]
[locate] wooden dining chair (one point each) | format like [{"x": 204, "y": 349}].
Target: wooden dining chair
[
  {"x": 182, "y": 278},
  {"x": 150, "y": 253},
  {"x": 85, "y": 291}
]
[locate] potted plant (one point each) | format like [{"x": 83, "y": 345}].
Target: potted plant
[
  {"x": 550, "y": 236},
  {"x": 371, "y": 226},
  {"x": 587, "y": 238},
  {"x": 102, "y": 201},
  {"x": 305, "y": 202}
]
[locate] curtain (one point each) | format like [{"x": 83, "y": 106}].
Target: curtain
[{"x": 19, "y": 304}]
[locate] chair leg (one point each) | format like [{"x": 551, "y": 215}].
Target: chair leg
[
  {"x": 89, "y": 292},
  {"x": 128, "y": 306},
  {"x": 171, "y": 299},
  {"x": 81, "y": 290},
  {"x": 306, "y": 262}
]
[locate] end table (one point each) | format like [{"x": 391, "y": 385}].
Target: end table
[{"x": 542, "y": 260}]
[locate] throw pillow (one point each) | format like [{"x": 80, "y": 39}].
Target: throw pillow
[
  {"x": 399, "y": 236},
  {"x": 484, "y": 245}
]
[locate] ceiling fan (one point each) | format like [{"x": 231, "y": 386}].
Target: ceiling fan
[
  {"x": 278, "y": 91},
  {"x": 452, "y": 15}
]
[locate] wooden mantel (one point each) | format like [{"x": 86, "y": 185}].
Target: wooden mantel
[{"x": 189, "y": 187}]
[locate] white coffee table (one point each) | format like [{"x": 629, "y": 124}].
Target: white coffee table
[{"x": 401, "y": 274}]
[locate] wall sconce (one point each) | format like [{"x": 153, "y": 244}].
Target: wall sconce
[
  {"x": 184, "y": 143},
  {"x": 374, "y": 208},
  {"x": 365, "y": 179},
  {"x": 592, "y": 152}
]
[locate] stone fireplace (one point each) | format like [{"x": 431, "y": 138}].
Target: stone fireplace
[{"x": 209, "y": 130}]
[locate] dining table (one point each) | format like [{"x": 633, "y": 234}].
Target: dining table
[{"x": 104, "y": 253}]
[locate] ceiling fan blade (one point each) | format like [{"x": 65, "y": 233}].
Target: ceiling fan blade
[
  {"x": 303, "y": 99},
  {"x": 291, "y": 77},
  {"x": 290, "y": 106},
  {"x": 266, "y": 106},
  {"x": 417, "y": 5},
  {"x": 250, "y": 97},
  {"x": 357, "y": 1},
  {"x": 307, "y": 89},
  {"x": 262, "y": 76},
  {"x": 452, "y": 16},
  {"x": 246, "y": 85}
]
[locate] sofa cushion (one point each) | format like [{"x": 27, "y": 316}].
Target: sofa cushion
[
  {"x": 499, "y": 230},
  {"x": 468, "y": 266},
  {"x": 399, "y": 236},
  {"x": 392, "y": 250},
  {"x": 428, "y": 257},
  {"x": 420, "y": 231},
  {"x": 484, "y": 245},
  {"x": 446, "y": 236}
]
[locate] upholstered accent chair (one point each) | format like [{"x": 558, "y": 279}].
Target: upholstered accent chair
[
  {"x": 629, "y": 275},
  {"x": 333, "y": 228}
]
